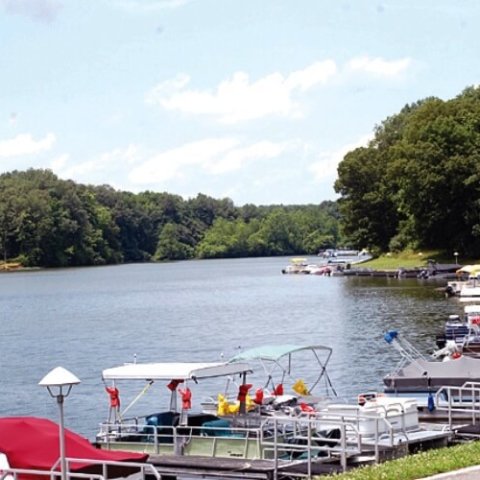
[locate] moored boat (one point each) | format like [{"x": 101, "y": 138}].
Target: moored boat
[
  {"x": 30, "y": 446},
  {"x": 419, "y": 375},
  {"x": 462, "y": 333},
  {"x": 238, "y": 429},
  {"x": 296, "y": 265},
  {"x": 466, "y": 283}
]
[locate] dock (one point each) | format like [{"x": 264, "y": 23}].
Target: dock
[{"x": 170, "y": 466}]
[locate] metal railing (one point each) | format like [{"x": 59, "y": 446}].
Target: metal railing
[
  {"x": 9, "y": 473},
  {"x": 464, "y": 399},
  {"x": 53, "y": 473},
  {"x": 279, "y": 438}
]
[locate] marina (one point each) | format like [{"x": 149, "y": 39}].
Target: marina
[{"x": 133, "y": 314}]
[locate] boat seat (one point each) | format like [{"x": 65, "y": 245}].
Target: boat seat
[
  {"x": 219, "y": 428},
  {"x": 327, "y": 438},
  {"x": 195, "y": 422},
  {"x": 162, "y": 424}
]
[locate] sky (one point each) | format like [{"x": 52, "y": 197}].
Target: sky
[{"x": 255, "y": 100}]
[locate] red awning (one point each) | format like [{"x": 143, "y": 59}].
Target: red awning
[{"x": 33, "y": 443}]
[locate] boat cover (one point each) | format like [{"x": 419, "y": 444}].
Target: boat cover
[
  {"x": 33, "y": 443},
  {"x": 274, "y": 352},
  {"x": 177, "y": 371},
  {"x": 471, "y": 269}
]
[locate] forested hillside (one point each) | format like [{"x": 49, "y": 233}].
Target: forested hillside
[
  {"x": 46, "y": 221},
  {"x": 417, "y": 184}
]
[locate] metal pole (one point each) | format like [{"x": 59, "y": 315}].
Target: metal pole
[
  {"x": 309, "y": 454},
  {"x": 473, "y": 405},
  {"x": 343, "y": 455},
  {"x": 275, "y": 449},
  {"x": 449, "y": 408},
  {"x": 63, "y": 462}
]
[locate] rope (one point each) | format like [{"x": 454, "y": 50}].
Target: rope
[{"x": 145, "y": 389}]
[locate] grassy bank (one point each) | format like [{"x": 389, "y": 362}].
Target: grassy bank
[
  {"x": 410, "y": 259},
  {"x": 417, "y": 466}
]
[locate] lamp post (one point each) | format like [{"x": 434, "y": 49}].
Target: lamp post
[
  {"x": 59, "y": 383},
  {"x": 455, "y": 254}
]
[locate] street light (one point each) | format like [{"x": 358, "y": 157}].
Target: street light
[
  {"x": 59, "y": 383},
  {"x": 455, "y": 254}
]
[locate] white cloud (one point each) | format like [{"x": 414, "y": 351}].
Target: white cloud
[
  {"x": 235, "y": 158},
  {"x": 168, "y": 165},
  {"x": 43, "y": 10},
  {"x": 326, "y": 168},
  {"x": 239, "y": 99},
  {"x": 107, "y": 162},
  {"x": 213, "y": 155},
  {"x": 148, "y": 6},
  {"x": 24, "y": 144},
  {"x": 379, "y": 66}
]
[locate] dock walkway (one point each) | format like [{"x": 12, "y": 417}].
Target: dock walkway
[{"x": 238, "y": 468}]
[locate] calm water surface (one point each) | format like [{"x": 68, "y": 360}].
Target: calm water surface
[{"x": 93, "y": 318}]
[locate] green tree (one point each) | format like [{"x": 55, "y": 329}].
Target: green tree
[{"x": 170, "y": 245}]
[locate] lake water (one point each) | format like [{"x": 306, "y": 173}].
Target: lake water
[{"x": 89, "y": 319}]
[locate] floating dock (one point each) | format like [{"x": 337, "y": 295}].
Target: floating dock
[{"x": 238, "y": 468}]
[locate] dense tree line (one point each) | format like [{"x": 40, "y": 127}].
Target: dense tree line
[
  {"x": 417, "y": 184},
  {"x": 46, "y": 221}
]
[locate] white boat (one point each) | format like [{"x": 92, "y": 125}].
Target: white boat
[
  {"x": 283, "y": 435},
  {"x": 467, "y": 284},
  {"x": 416, "y": 374},
  {"x": 296, "y": 265},
  {"x": 470, "y": 292},
  {"x": 461, "y": 334},
  {"x": 240, "y": 432}
]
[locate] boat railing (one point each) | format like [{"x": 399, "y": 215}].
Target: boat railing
[
  {"x": 460, "y": 399},
  {"x": 351, "y": 422},
  {"x": 276, "y": 437},
  {"x": 384, "y": 423},
  {"x": 16, "y": 473},
  {"x": 282, "y": 437},
  {"x": 306, "y": 442},
  {"x": 143, "y": 468},
  {"x": 408, "y": 352}
]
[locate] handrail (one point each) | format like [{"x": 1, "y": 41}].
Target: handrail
[
  {"x": 15, "y": 472},
  {"x": 143, "y": 467},
  {"x": 52, "y": 473},
  {"x": 275, "y": 435},
  {"x": 471, "y": 406}
]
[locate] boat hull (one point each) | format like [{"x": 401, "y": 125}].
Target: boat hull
[{"x": 428, "y": 376}]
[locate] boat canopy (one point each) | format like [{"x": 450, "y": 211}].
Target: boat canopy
[
  {"x": 298, "y": 260},
  {"x": 470, "y": 269},
  {"x": 275, "y": 352},
  {"x": 177, "y": 371},
  {"x": 279, "y": 358}
]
